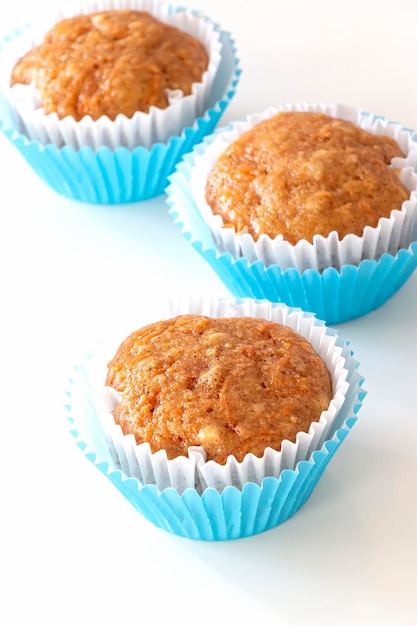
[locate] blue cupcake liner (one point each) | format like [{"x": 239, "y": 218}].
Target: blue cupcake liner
[
  {"x": 211, "y": 515},
  {"x": 333, "y": 296},
  {"x": 119, "y": 176}
]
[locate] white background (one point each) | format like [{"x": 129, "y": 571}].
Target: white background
[{"x": 72, "y": 550}]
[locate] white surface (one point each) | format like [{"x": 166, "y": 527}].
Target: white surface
[{"x": 73, "y": 551}]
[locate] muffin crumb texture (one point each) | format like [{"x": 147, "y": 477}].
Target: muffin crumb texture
[
  {"x": 298, "y": 174},
  {"x": 231, "y": 385},
  {"x": 109, "y": 63}
]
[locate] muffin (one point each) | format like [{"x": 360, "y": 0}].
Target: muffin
[
  {"x": 85, "y": 122},
  {"x": 187, "y": 443},
  {"x": 111, "y": 63},
  {"x": 232, "y": 386},
  {"x": 300, "y": 173},
  {"x": 308, "y": 205}
]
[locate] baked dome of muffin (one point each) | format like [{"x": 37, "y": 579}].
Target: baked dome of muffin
[
  {"x": 299, "y": 173},
  {"x": 111, "y": 62},
  {"x": 232, "y": 385}
]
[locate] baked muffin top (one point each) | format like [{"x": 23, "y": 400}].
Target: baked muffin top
[
  {"x": 111, "y": 62},
  {"x": 231, "y": 385},
  {"x": 298, "y": 174}
]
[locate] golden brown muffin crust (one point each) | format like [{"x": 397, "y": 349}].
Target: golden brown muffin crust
[
  {"x": 298, "y": 174},
  {"x": 231, "y": 385},
  {"x": 111, "y": 62}
]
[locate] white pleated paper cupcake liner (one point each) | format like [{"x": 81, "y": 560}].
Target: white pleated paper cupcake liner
[
  {"x": 193, "y": 471},
  {"x": 391, "y": 234},
  {"x": 224, "y": 504},
  {"x": 143, "y": 129}
]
